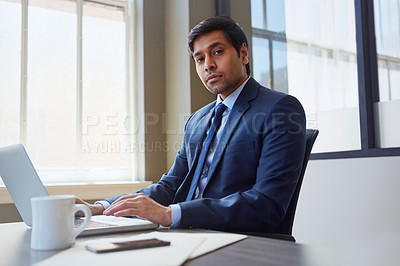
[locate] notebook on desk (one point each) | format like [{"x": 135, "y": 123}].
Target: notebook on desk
[{"x": 23, "y": 183}]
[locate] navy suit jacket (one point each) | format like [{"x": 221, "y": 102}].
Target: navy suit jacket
[{"x": 255, "y": 167}]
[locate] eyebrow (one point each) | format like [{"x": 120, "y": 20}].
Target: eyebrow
[{"x": 209, "y": 47}]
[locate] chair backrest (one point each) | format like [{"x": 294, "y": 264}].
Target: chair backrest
[{"x": 287, "y": 224}]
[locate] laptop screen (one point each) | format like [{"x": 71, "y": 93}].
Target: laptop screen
[{"x": 21, "y": 179}]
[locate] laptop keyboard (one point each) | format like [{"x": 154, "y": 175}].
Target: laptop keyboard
[{"x": 92, "y": 224}]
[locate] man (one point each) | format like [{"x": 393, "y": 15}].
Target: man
[{"x": 245, "y": 179}]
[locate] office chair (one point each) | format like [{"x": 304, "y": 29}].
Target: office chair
[{"x": 286, "y": 225}]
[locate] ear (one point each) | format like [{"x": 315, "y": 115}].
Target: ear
[{"x": 244, "y": 53}]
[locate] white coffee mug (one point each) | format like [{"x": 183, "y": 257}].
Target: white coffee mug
[{"x": 53, "y": 221}]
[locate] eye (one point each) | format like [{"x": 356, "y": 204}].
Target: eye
[
  {"x": 199, "y": 59},
  {"x": 219, "y": 51}
]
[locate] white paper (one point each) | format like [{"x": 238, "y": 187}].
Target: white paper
[
  {"x": 175, "y": 254},
  {"x": 183, "y": 246},
  {"x": 214, "y": 241}
]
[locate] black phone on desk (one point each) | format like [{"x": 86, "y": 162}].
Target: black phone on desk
[{"x": 126, "y": 245}]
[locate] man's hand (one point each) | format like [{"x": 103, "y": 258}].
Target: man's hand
[
  {"x": 141, "y": 206},
  {"x": 96, "y": 209}
]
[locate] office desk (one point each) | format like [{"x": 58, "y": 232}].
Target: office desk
[{"x": 15, "y": 250}]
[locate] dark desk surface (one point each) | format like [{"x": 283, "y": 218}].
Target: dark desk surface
[{"x": 15, "y": 250}]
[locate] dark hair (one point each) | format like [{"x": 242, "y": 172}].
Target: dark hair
[{"x": 233, "y": 32}]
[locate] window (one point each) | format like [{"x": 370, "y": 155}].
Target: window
[
  {"x": 10, "y": 72},
  {"x": 65, "y": 87},
  {"x": 387, "y": 31},
  {"x": 313, "y": 54}
]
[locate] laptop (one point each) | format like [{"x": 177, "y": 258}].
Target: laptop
[{"x": 23, "y": 183}]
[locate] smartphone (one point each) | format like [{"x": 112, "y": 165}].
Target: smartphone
[{"x": 126, "y": 245}]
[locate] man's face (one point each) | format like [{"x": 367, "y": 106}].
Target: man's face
[{"x": 218, "y": 65}]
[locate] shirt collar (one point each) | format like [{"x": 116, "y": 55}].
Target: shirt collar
[{"x": 231, "y": 99}]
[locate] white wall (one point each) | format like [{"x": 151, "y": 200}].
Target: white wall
[
  {"x": 353, "y": 207},
  {"x": 177, "y": 69}
]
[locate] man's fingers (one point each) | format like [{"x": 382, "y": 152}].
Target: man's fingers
[
  {"x": 79, "y": 201},
  {"x": 125, "y": 212},
  {"x": 141, "y": 206},
  {"x": 125, "y": 197},
  {"x": 119, "y": 206}
]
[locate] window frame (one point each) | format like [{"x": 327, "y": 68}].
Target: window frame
[
  {"x": 79, "y": 169},
  {"x": 368, "y": 83},
  {"x": 368, "y": 87}
]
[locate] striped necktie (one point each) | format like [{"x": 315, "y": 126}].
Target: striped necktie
[{"x": 206, "y": 146}]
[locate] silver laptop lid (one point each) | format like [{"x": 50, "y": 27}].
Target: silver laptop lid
[{"x": 21, "y": 179}]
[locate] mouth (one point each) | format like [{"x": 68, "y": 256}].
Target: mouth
[{"x": 213, "y": 78}]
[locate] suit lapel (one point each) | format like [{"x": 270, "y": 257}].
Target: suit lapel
[
  {"x": 195, "y": 141},
  {"x": 241, "y": 105},
  {"x": 197, "y": 136}
]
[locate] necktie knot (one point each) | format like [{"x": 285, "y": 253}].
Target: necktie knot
[{"x": 219, "y": 110}]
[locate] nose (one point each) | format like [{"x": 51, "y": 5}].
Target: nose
[{"x": 209, "y": 64}]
